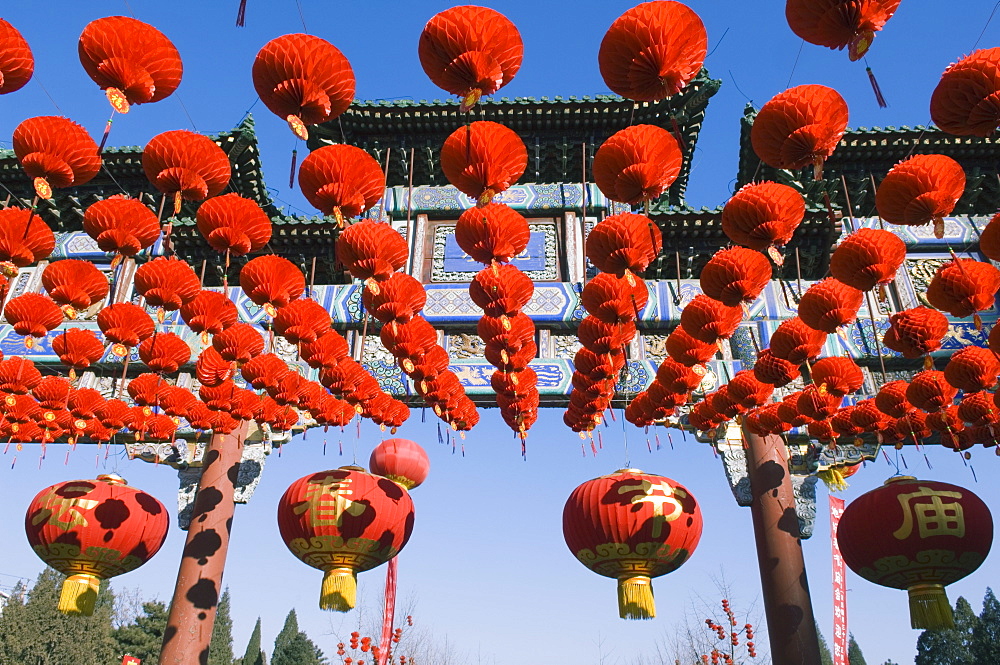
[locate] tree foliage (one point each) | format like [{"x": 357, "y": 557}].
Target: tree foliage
[
  {"x": 952, "y": 646},
  {"x": 825, "y": 657},
  {"x": 293, "y": 647},
  {"x": 854, "y": 655},
  {"x": 220, "y": 650},
  {"x": 985, "y": 643},
  {"x": 143, "y": 638},
  {"x": 254, "y": 655}
]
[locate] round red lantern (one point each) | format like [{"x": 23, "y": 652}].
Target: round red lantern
[
  {"x": 92, "y": 530},
  {"x": 344, "y": 522},
  {"x": 632, "y": 526},
  {"x": 919, "y": 536},
  {"x": 401, "y": 461}
]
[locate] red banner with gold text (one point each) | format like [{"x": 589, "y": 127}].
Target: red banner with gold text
[{"x": 839, "y": 587}]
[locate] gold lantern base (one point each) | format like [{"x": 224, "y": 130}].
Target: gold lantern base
[
  {"x": 79, "y": 594},
  {"x": 929, "y": 607},
  {"x": 340, "y": 590},
  {"x": 635, "y": 597}
]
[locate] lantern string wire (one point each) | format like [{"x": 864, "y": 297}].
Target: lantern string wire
[{"x": 992, "y": 14}]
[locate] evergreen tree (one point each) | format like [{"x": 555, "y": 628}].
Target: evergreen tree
[
  {"x": 293, "y": 647},
  {"x": 952, "y": 646},
  {"x": 254, "y": 654},
  {"x": 825, "y": 657},
  {"x": 986, "y": 633},
  {"x": 144, "y": 637},
  {"x": 34, "y": 632},
  {"x": 220, "y": 651},
  {"x": 854, "y": 655}
]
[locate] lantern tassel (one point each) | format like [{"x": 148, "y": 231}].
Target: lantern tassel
[
  {"x": 635, "y": 597},
  {"x": 879, "y": 97},
  {"x": 340, "y": 590},
  {"x": 241, "y": 14},
  {"x": 79, "y": 595},
  {"x": 929, "y": 607}
]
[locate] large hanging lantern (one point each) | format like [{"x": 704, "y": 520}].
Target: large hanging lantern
[
  {"x": 186, "y": 166},
  {"x": 919, "y": 536},
  {"x": 344, "y": 522},
  {"x": 637, "y": 164},
  {"x": 483, "y": 159},
  {"x": 632, "y": 526},
  {"x": 341, "y": 180},
  {"x": 92, "y": 530},
  {"x": 921, "y": 190},
  {"x": 121, "y": 225}
]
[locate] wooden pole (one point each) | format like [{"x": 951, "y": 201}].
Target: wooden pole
[
  {"x": 791, "y": 627},
  {"x": 199, "y": 580}
]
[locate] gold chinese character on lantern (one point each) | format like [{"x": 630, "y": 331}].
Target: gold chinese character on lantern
[
  {"x": 659, "y": 494},
  {"x": 936, "y": 517},
  {"x": 63, "y": 512},
  {"x": 327, "y": 501}
]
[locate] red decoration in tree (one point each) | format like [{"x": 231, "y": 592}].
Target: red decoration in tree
[
  {"x": 972, "y": 369},
  {"x": 77, "y": 348},
  {"x": 24, "y": 237},
  {"x": 963, "y": 287},
  {"x": 840, "y": 23},
  {"x": 55, "y": 152},
  {"x": 735, "y": 275},
  {"x": 966, "y": 102},
  {"x": 708, "y": 320},
  {"x": 470, "y": 51},
  {"x": 399, "y": 298},
  {"x": 921, "y": 190},
  {"x": 867, "y": 258},
  {"x": 130, "y": 59},
  {"x": 344, "y": 534},
  {"x": 186, "y": 165},
  {"x": 121, "y": 225},
  {"x": 401, "y": 461},
  {"x": 930, "y": 391},
  {"x": 646, "y": 525},
  {"x": 933, "y": 533},
  {"x": 829, "y": 304},
  {"x": 233, "y": 224},
  {"x": 74, "y": 283},
  {"x": 799, "y": 127},
  {"x": 209, "y": 312},
  {"x": 167, "y": 283},
  {"x": 624, "y": 243},
  {"x": 239, "y": 343},
  {"x": 493, "y": 232},
  {"x": 483, "y": 159},
  {"x": 653, "y": 50},
  {"x": 164, "y": 352},
  {"x": 17, "y": 64},
  {"x": 762, "y": 215},
  {"x": 916, "y": 332},
  {"x": 272, "y": 281},
  {"x": 637, "y": 164},
  {"x": 302, "y": 321},
  {"x": 341, "y": 180},
  {"x": 124, "y": 323},
  {"x": 838, "y": 375},
  {"x": 304, "y": 80},
  {"x": 32, "y": 314},
  {"x": 372, "y": 250},
  {"x": 112, "y": 529}
]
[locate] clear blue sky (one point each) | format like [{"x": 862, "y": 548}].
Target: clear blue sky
[{"x": 487, "y": 564}]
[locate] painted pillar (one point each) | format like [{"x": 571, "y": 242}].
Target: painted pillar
[
  {"x": 199, "y": 580},
  {"x": 791, "y": 627}
]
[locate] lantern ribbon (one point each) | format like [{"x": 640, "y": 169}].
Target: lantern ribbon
[{"x": 839, "y": 587}]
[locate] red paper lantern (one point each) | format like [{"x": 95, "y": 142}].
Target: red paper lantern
[
  {"x": 148, "y": 389},
  {"x": 167, "y": 283},
  {"x": 624, "y": 243},
  {"x": 892, "y": 401},
  {"x": 774, "y": 370},
  {"x": 840, "y": 23},
  {"x": 32, "y": 315},
  {"x": 708, "y": 320},
  {"x": 341, "y": 180},
  {"x": 17, "y": 64},
  {"x": 133, "y": 62},
  {"x": 921, "y": 190},
  {"x": 233, "y": 224},
  {"x": 816, "y": 404},
  {"x": 919, "y": 536},
  {"x": 164, "y": 352},
  {"x": 470, "y": 51},
  {"x": 989, "y": 239},
  {"x": 703, "y": 418},
  {"x": 748, "y": 391},
  {"x": 209, "y": 312},
  {"x": 483, "y": 159},
  {"x": 261, "y": 370},
  {"x": 399, "y": 298},
  {"x": 677, "y": 377},
  {"x": 965, "y": 101},
  {"x": 867, "y": 416},
  {"x": 972, "y": 369},
  {"x": 372, "y": 250},
  {"x": 916, "y": 332},
  {"x": 78, "y": 348},
  {"x": 344, "y": 521},
  {"x": 637, "y": 164},
  {"x": 126, "y": 324},
  {"x": 614, "y": 299},
  {"x": 186, "y": 166},
  {"x": 121, "y": 225},
  {"x": 687, "y": 350},
  {"x": 838, "y": 375},
  {"x": 763, "y": 214},
  {"x": 867, "y": 258},
  {"x": 493, "y": 232},
  {"x": 788, "y": 411},
  {"x": 239, "y": 343},
  {"x": 272, "y": 281},
  {"x": 401, "y": 461},
  {"x": 92, "y": 530},
  {"x": 18, "y": 375},
  {"x": 55, "y": 152},
  {"x": 653, "y": 50},
  {"x": 326, "y": 351},
  {"x": 799, "y": 127},
  {"x": 74, "y": 283},
  {"x": 735, "y": 275},
  {"x": 930, "y": 391},
  {"x": 24, "y": 237},
  {"x": 632, "y": 526},
  {"x": 829, "y": 304},
  {"x": 114, "y": 414},
  {"x": 302, "y": 321},
  {"x": 963, "y": 287},
  {"x": 304, "y": 80}
]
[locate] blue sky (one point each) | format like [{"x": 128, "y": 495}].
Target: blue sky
[{"x": 487, "y": 566}]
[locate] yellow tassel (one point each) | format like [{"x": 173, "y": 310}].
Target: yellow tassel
[
  {"x": 340, "y": 590},
  {"x": 929, "y": 607},
  {"x": 79, "y": 594},
  {"x": 635, "y": 597},
  {"x": 834, "y": 479}
]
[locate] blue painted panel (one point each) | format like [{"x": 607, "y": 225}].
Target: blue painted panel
[{"x": 532, "y": 258}]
